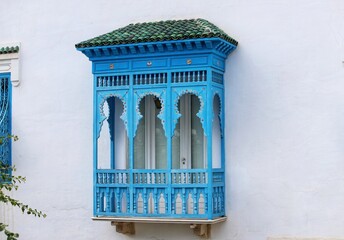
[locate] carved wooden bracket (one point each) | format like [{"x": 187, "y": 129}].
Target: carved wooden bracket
[
  {"x": 202, "y": 230},
  {"x": 124, "y": 227}
]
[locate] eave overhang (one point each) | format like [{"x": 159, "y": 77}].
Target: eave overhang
[{"x": 173, "y": 47}]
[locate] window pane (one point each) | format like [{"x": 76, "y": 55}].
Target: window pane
[
  {"x": 176, "y": 147},
  {"x": 188, "y": 141},
  {"x": 104, "y": 158},
  {"x": 216, "y": 137},
  {"x": 160, "y": 143},
  {"x": 150, "y": 143},
  {"x": 120, "y": 143},
  {"x": 113, "y": 140},
  {"x": 197, "y": 135},
  {"x": 139, "y": 141}
]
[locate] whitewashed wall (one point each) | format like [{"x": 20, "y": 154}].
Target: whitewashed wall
[{"x": 285, "y": 114}]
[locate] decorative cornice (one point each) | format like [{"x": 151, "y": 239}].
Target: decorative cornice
[
  {"x": 9, "y": 61},
  {"x": 218, "y": 45}
]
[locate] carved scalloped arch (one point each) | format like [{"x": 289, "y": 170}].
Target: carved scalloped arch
[
  {"x": 220, "y": 115},
  {"x": 140, "y": 95},
  {"x": 200, "y": 114},
  {"x": 101, "y": 116}
]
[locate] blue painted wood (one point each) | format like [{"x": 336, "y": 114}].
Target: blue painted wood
[
  {"x": 5, "y": 119},
  {"x": 166, "y": 70}
]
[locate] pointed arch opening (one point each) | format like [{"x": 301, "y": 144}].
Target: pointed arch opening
[
  {"x": 150, "y": 143},
  {"x": 113, "y": 150},
  {"x": 189, "y": 140}
]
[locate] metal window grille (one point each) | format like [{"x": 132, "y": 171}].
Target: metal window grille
[{"x": 5, "y": 121}]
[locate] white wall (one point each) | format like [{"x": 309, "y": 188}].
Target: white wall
[{"x": 284, "y": 112}]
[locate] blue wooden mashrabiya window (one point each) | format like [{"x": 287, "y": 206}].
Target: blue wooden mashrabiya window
[
  {"x": 5, "y": 119},
  {"x": 159, "y": 147}
]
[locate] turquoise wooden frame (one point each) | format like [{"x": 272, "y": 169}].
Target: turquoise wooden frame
[
  {"x": 6, "y": 120},
  {"x": 166, "y": 70}
]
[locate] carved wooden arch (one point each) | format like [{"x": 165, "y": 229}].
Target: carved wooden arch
[
  {"x": 139, "y": 95},
  {"x": 200, "y": 92},
  {"x": 219, "y": 94},
  {"x": 104, "y": 96}
]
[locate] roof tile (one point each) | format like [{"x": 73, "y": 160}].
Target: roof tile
[
  {"x": 7, "y": 50},
  {"x": 158, "y": 31}
]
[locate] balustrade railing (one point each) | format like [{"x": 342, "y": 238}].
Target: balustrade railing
[{"x": 159, "y": 193}]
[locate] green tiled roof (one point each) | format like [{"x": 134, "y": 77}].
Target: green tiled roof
[
  {"x": 6, "y": 50},
  {"x": 159, "y": 31}
]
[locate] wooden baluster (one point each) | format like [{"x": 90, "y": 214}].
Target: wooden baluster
[
  {"x": 145, "y": 201},
  {"x": 128, "y": 201},
  {"x": 118, "y": 201},
  {"x": 117, "y": 178},
  {"x": 184, "y": 177},
  {"x": 156, "y": 201},
  {"x": 97, "y": 201},
  {"x": 134, "y": 201},
  {"x": 107, "y": 207},
  {"x": 205, "y": 195},
  {"x": 173, "y": 203},
  {"x": 120, "y": 177},
  {"x": 166, "y": 201},
  {"x": 184, "y": 201},
  {"x": 218, "y": 207},
  {"x": 195, "y": 205},
  {"x": 187, "y": 77}
]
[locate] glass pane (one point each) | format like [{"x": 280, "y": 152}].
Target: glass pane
[
  {"x": 216, "y": 137},
  {"x": 176, "y": 147},
  {"x": 150, "y": 143},
  {"x": 188, "y": 141},
  {"x": 139, "y": 141},
  {"x": 104, "y": 158},
  {"x": 120, "y": 143},
  {"x": 160, "y": 139},
  {"x": 113, "y": 140},
  {"x": 197, "y": 135}
]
